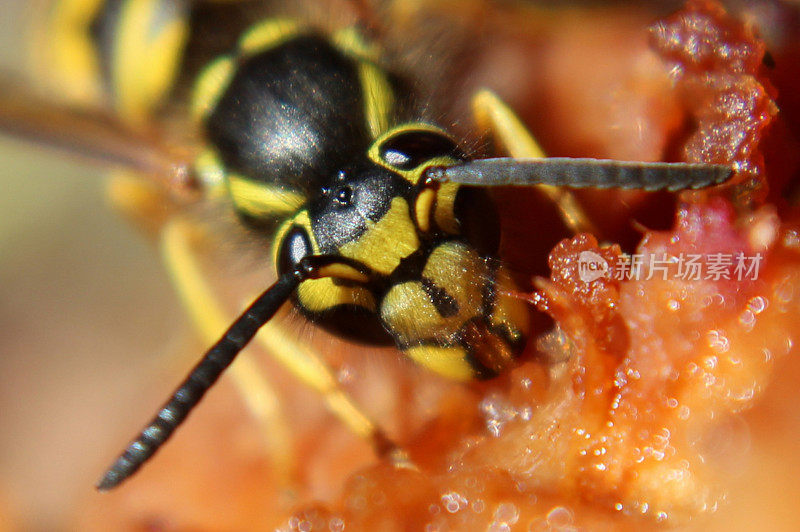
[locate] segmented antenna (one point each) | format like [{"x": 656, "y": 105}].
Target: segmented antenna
[
  {"x": 202, "y": 377},
  {"x": 582, "y": 173}
]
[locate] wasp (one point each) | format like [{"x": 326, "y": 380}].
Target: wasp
[{"x": 381, "y": 227}]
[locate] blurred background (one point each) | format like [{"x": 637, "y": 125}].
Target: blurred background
[{"x": 86, "y": 317}]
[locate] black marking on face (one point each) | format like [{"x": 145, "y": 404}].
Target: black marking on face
[{"x": 340, "y": 213}]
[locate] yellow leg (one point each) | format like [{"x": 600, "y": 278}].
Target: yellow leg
[
  {"x": 211, "y": 321},
  {"x": 295, "y": 356},
  {"x": 493, "y": 115},
  {"x": 146, "y": 205}
]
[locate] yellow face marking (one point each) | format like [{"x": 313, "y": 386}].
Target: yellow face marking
[
  {"x": 409, "y": 311},
  {"x": 260, "y": 199},
  {"x": 386, "y": 242},
  {"x": 210, "y": 85},
  {"x": 317, "y": 295},
  {"x": 343, "y": 271},
  {"x": 145, "y": 64},
  {"x": 444, "y": 198},
  {"x": 445, "y": 208},
  {"x": 414, "y": 175},
  {"x": 423, "y": 209},
  {"x": 268, "y": 34},
  {"x": 450, "y": 362}
]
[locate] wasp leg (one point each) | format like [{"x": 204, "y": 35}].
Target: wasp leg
[
  {"x": 292, "y": 354},
  {"x": 493, "y": 115},
  {"x": 210, "y": 320},
  {"x": 143, "y": 202}
]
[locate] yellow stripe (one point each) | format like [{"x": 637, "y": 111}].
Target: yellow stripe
[
  {"x": 268, "y": 34},
  {"x": 386, "y": 242},
  {"x": 458, "y": 269},
  {"x": 411, "y": 315},
  {"x": 510, "y": 313},
  {"x": 318, "y": 295},
  {"x": 378, "y": 98},
  {"x": 450, "y": 362},
  {"x": 423, "y": 209},
  {"x": 412, "y": 176},
  {"x": 158, "y": 76},
  {"x": 210, "y": 85},
  {"x": 352, "y": 42},
  {"x": 344, "y": 272},
  {"x": 377, "y": 91},
  {"x": 445, "y": 208},
  {"x": 261, "y": 200},
  {"x": 143, "y": 68},
  {"x": 409, "y": 312}
]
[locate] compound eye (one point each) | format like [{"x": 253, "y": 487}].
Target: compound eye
[
  {"x": 294, "y": 247},
  {"x": 408, "y": 150}
]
